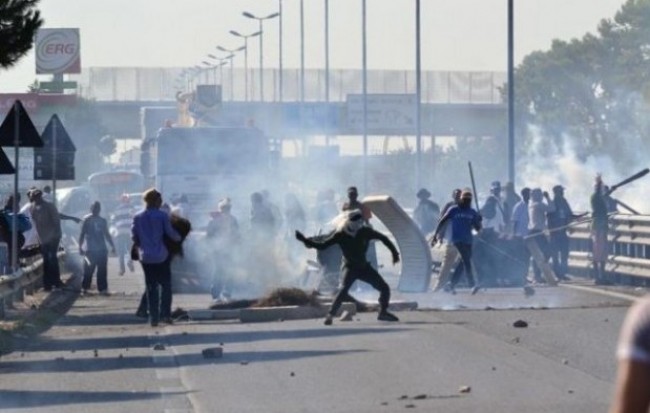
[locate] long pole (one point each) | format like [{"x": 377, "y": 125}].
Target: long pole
[
  {"x": 511, "y": 93},
  {"x": 14, "y": 227},
  {"x": 54, "y": 156},
  {"x": 246, "y": 67},
  {"x": 364, "y": 65},
  {"x": 418, "y": 87},
  {"x": 261, "y": 60},
  {"x": 281, "y": 85},
  {"x": 302, "y": 51},
  {"x": 327, "y": 59},
  {"x": 232, "y": 73}
]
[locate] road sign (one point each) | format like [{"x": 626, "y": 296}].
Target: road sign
[
  {"x": 386, "y": 113},
  {"x": 28, "y": 137},
  {"x": 55, "y": 136},
  {"x": 6, "y": 168},
  {"x": 55, "y": 160}
]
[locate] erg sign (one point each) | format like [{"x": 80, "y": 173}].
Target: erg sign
[{"x": 57, "y": 51}]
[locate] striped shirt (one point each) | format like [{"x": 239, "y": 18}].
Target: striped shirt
[{"x": 122, "y": 218}]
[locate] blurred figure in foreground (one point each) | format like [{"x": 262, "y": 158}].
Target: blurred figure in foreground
[{"x": 633, "y": 379}]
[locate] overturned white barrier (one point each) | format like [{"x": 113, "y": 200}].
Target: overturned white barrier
[{"x": 415, "y": 253}]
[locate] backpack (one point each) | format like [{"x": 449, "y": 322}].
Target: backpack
[{"x": 23, "y": 223}]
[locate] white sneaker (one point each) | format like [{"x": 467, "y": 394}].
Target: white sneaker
[{"x": 130, "y": 265}]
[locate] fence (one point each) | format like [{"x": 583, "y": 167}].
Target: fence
[
  {"x": 629, "y": 250},
  {"x": 161, "y": 84},
  {"x": 26, "y": 280}
]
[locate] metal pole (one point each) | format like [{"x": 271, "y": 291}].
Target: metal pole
[
  {"x": 14, "y": 226},
  {"x": 54, "y": 156},
  {"x": 327, "y": 59},
  {"x": 261, "y": 60},
  {"x": 511, "y": 93},
  {"x": 418, "y": 88},
  {"x": 246, "y": 67},
  {"x": 365, "y": 95},
  {"x": 302, "y": 51},
  {"x": 280, "y": 63},
  {"x": 232, "y": 73}
]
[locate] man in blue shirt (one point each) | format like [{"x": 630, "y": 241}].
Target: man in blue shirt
[
  {"x": 463, "y": 220},
  {"x": 150, "y": 226}
]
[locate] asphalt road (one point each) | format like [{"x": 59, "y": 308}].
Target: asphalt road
[{"x": 100, "y": 358}]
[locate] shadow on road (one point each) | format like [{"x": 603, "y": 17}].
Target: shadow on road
[
  {"x": 21, "y": 399},
  {"x": 181, "y": 338},
  {"x": 88, "y": 365}
]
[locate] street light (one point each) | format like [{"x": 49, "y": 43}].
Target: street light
[
  {"x": 364, "y": 76},
  {"x": 245, "y": 37},
  {"x": 222, "y": 62},
  {"x": 208, "y": 66},
  {"x": 232, "y": 58},
  {"x": 280, "y": 83},
  {"x": 261, "y": 22},
  {"x": 418, "y": 97}
]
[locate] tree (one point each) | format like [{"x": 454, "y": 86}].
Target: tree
[
  {"x": 19, "y": 21},
  {"x": 593, "y": 92}
]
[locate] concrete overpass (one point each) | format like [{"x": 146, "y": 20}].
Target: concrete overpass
[{"x": 293, "y": 119}]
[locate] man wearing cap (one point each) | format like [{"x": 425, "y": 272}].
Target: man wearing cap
[
  {"x": 559, "y": 239},
  {"x": 48, "y": 226},
  {"x": 463, "y": 220},
  {"x": 353, "y": 236},
  {"x": 426, "y": 213}
]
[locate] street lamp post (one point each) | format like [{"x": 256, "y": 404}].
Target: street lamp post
[
  {"x": 209, "y": 66},
  {"x": 222, "y": 62},
  {"x": 364, "y": 64},
  {"x": 232, "y": 65},
  {"x": 511, "y": 93},
  {"x": 280, "y": 80},
  {"x": 302, "y": 51},
  {"x": 418, "y": 98},
  {"x": 245, "y": 37},
  {"x": 261, "y": 22}
]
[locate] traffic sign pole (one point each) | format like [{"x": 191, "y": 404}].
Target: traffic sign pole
[
  {"x": 14, "y": 222},
  {"x": 54, "y": 126}
]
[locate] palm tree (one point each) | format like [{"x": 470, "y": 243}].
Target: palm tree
[{"x": 19, "y": 21}]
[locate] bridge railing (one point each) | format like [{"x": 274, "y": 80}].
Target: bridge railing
[
  {"x": 25, "y": 280},
  {"x": 628, "y": 249}
]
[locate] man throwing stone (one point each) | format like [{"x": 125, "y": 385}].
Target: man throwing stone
[{"x": 353, "y": 237}]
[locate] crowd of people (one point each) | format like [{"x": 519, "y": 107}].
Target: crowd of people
[{"x": 507, "y": 227}]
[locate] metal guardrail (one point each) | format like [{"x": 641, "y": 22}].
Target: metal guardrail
[
  {"x": 27, "y": 279},
  {"x": 629, "y": 249}
]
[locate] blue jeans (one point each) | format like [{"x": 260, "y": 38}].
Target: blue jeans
[{"x": 160, "y": 304}]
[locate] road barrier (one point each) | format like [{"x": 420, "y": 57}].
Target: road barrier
[
  {"x": 27, "y": 279},
  {"x": 629, "y": 249}
]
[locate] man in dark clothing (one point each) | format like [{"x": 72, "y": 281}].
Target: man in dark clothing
[
  {"x": 463, "y": 219},
  {"x": 559, "y": 239},
  {"x": 46, "y": 219},
  {"x": 353, "y": 237},
  {"x": 94, "y": 231},
  {"x": 262, "y": 219},
  {"x": 354, "y": 203}
]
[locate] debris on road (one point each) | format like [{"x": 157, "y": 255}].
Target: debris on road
[
  {"x": 292, "y": 374},
  {"x": 243, "y": 363},
  {"x": 420, "y": 397},
  {"x": 520, "y": 324},
  {"x": 212, "y": 353},
  {"x": 464, "y": 389},
  {"x": 159, "y": 346},
  {"x": 565, "y": 361},
  {"x": 96, "y": 353},
  {"x": 409, "y": 406}
]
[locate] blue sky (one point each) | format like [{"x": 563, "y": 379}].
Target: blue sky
[{"x": 456, "y": 34}]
